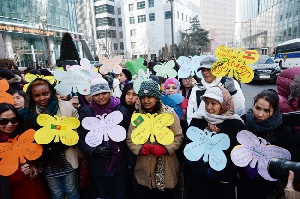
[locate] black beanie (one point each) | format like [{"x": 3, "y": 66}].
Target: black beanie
[{"x": 127, "y": 74}]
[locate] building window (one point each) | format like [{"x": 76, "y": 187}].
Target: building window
[
  {"x": 130, "y": 6},
  {"x": 190, "y": 19},
  {"x": 120, "y": 21},
  {"x": 140, "y": 5},
  {"x": 286, "y": 16},
  {"x": 296, "y": 12},
  {"x": 131, "y": 20},
  {"x": 182, "y": 16},
  {"x": 116, "y": 46},
  {"x": 141, "y": 18},
  {"x": 168, "y": 15},
  {"x": 133, "y": 45},
  {"x": 177, "y": 15},
  {"x": 106, "y": 33},
  {"x": 151, "y": 3},
  {"x": 121, "y": 34},
  {"x": 105, "y": 8},
  {"x": 121, "y": 46},
  {"x": 105, "y": 21},
  {"x": 119, "y": 11},
  {"x": 185, "y": 18},
  {"x": 151, "y": 16},
  {"x": 280, "y": 17},
  {"x": 132, "y": 33}
]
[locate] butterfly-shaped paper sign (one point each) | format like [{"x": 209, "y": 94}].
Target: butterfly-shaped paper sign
[
  {"x": 57, "y": 128},
  {"x": 103, "y": 127},
  {"x": 166, "y": 69},
  {"x": 173, "y": 101},
  {"x": 86, "y": 65},
  {"x": 134, "y": 66},
  {"x": 31, "y": 77},
  {"x": 141, "y": 77},
  {"x": 4, "y": 96},
  {"x": 153, "y": 125},
  {"x": 72, "y": 79},
  {"x": 234, "y": 63},
  {"x": 17, "y": 151},
  {"x": 189, "y": 66},
  {"x": 209, "y": 145},
  {"x": 111, "y": 64},
  {"x": 256, "y": 150}
]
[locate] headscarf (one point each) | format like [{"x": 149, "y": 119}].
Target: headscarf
[
  {"x": 172, "y": 81},
  {"x": 221, "y": 95}
]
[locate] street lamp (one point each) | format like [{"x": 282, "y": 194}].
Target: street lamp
[
  {"x": 172, "y": 29},
  {"x": 250, "y": 38}
]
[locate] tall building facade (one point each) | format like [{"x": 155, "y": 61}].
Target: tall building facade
[
  {"x": 265, "y": 24},
  {"x": 219, "y": 17},
  {"x": 24, "y": 25}
]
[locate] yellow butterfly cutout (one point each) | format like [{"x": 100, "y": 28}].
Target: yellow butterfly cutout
[
  {"x": 152, "y": 125},
  {"x": 57, "y": 128},
  {"x": 31, "y": 77},
  {"x": 234, "y": 63}
]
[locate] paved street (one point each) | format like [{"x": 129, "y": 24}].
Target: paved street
[{"x": 250, "y": 90}]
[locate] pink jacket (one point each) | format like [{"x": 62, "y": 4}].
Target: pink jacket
[{"x": 288, "y": 86}]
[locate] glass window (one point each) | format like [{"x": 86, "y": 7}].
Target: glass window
[
  {"x": 182, "y": 16},
  {"x": 185, "y": 18},
  {"x": 131, "y": 20},
  {"x": 141, "y": 18},
  {"x": 151, "y": 16},
  {"x": 140, "y": 5},
  {"x": 280, "y": 17},
  {"x": 133, "y": 45},
  {"x": 168, "y": 15},
  {"x": 119, "y": 11},
  {"x": 121, "y": 34},
  {"x": 116, "y": 46},
  {"x": 105, "y": 21},
  {"x": 177, "y": 15},
  {"x": 130, "y": 6},
  {"x": 120, "y": 21},
  {"x": 105, "y": 8},
  {"x": 151, "y": 3},
  {"x": 121, "y": 46},
  {"x": 132, "y": 33}
]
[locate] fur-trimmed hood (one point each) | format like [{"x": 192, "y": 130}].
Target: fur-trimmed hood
[
  {"x": 295, "y": 88},
  {"x": 16, "y": 79}
]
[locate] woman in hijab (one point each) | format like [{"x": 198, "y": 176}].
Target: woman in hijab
[{"x": 202, "y": 181}]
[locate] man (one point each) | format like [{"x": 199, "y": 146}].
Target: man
[{"x": 209, "y": 80}]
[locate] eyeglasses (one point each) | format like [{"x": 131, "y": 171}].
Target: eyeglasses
[{"x": 4, "y": 121}]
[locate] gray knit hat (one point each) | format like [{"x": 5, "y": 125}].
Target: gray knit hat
[
  {"x": 99, "y": 85},
  {"x": 149, "y": 88},
  {"x": 207, "y": 62}
]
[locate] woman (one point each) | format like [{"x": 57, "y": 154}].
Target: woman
[
  {"x": 187, "y": 85},
  {"x": 107, "y": 161},
  {"x": 151, "y": 157},
  {"x": 124, "y": 77},
  {"x": 24, "y": 181},
  {"x": 171, "y": 86},
  {"x": 13, "y": 80},
  {"x": 19, "y": 98},
  {"x": 130, "y": 99},
  {"x": 59, "y": 162},
  {"x": 202, "y": 181},
  {"x": 265, "y": 121}
]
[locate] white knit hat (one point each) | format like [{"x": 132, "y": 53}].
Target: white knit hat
[
  {"x": 99, "y": 85},
  {"x": 213, "y": 93}
]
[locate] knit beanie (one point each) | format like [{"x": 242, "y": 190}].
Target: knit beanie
[
  {"x": 99, "y": 85},
  {"x": 172, "y": 81},
  {"x": 149, "y": 88},
  {"x": 213, "y": 93},
  {"x": 127, "y": 74}
]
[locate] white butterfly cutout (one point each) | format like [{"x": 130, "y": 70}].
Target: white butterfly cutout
[
  {"x": 189, "y": 66},
  {"x": 104, "y": 127},
  {"x": 209, "y": 145},
  {"x": 256, "y": 150},
  {"x": 166, "y": 69}
]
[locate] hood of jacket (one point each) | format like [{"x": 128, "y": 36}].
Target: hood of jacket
[{"x": 16, "y": 79}]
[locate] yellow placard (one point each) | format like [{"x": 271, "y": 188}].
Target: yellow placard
[
  {"x": 57, "y": 128},
  {"x": 153, "y": 125},
  {"x": 234, "y": 63}
]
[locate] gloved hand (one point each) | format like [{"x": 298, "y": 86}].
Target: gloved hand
[
  {"x": 145, "y": 150},
  {"x": 103, "y": 151},
  {"x": 252, "y": 173},
  {"x": 229, "y": 85},
  {"x": 158, "y": 150}
]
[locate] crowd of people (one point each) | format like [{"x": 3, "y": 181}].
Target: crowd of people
[{"x": 120, "y": 170}]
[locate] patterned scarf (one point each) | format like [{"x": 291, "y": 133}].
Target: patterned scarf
[
  {"x": 263, "y": 128},
  {"x": 111, "y": 105}
]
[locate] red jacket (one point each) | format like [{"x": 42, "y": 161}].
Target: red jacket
[{"x": 286, "y": 102}]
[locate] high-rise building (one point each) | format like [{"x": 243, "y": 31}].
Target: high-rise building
[
  {"x": 219, "y": 17},
  {"x": 265, "y": 24},
  {"x": 36, "y": 25}
]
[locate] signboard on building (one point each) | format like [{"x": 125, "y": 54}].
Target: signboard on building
[{"x": 11, "y": 28}]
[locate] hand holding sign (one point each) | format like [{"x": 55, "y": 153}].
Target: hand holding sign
[
  {"x": 152, "y": 125},
  {"x": 255, "y": 150},
  {"x": 4, "y": 96},
  {"x": 208, "y": 145},
  {"x": 110, "y": 65},
  {"x": 16, "y": 150},
  {"x": 104, "y": 126},
  {"x": 72, "y": 79},
  {"x": 57, "y": 128}
]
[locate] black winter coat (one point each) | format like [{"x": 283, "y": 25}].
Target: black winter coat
[
  {"x": 259, "y": 188},
  {"x": 97, "y": 164},
  {"x": 204, "y": 182}
]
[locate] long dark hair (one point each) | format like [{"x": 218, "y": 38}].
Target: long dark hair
[
  {"x": 20, "y": 92},
  {"x": 127, "y": 87},
  {"x": 270, "y": 96},
  {"x": 7, "y": 107}
]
